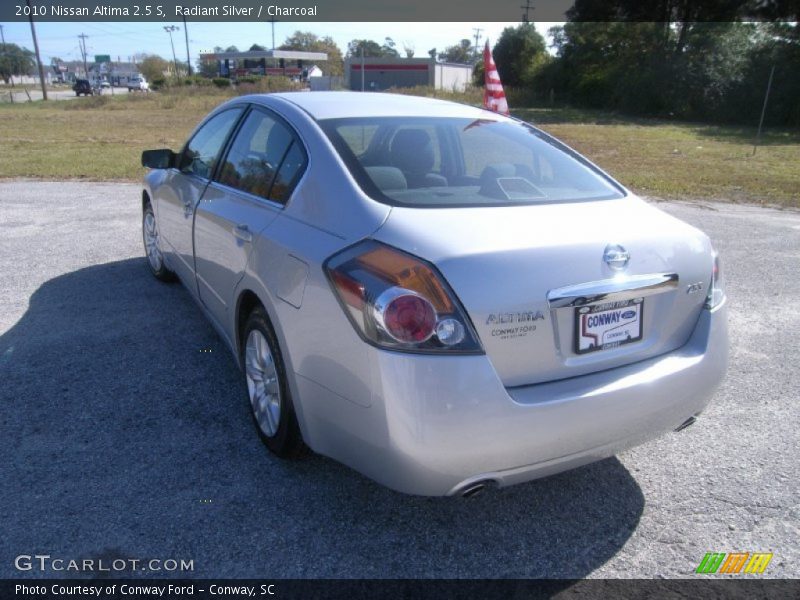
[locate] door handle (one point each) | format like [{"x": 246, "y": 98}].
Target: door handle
[{"x": 243, "y": 232}]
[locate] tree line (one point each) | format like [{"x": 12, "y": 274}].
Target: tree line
[
  {"x": 711, "y": 71},
  {"x": 688, "y": 69}
]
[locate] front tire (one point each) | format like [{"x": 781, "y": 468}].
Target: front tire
[
  {"x": 267, "y": 389},
  {"x": 155, "y": 259}
]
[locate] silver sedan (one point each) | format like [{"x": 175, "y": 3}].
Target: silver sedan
[{"x": 440, "y": 297}]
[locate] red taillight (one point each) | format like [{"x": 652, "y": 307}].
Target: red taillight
[
  {"x": 398, "y": 301},
  {"x": 406, "y": 317}
]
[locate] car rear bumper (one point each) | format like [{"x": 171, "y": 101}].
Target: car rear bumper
[{"x": 438, "y": 424}]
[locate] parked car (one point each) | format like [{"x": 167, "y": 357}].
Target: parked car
[
  {"x": 138, "y": 84},
  {"x": 438, "y": 296},
  {"x": 83, "y": 86},
  {"x": 105, "y": 84}
]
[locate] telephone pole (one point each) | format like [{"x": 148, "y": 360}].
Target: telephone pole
[
  {"x": 82, "y": 43},
  {"x": 3, "y": 36},
  {"x": 186, "y": 34},
  {"x": 527, "y": 7},
  {"x": 272, "y": 22},
  {"x": 36, "y": 49},
  {"x": 477, "y": 31},
  {"x": 169, "y": 29}
]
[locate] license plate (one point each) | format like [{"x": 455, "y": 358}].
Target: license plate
[{"x": 606, "y": 326}]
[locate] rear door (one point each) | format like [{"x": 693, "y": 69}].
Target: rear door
[
  {"x": 261, "y": 167},
  {"x": 177, "y": 199}
]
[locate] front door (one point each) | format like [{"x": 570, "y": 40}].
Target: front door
[{"x": 177, "y": 200}]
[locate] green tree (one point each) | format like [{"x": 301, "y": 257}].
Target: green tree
[
  {"x": 518, "y": 54},
  {"x": 256, "y": 48},
  {"x": 16, "y": 60},
  {"x": 372, "y": 48},
  {"x": 388, "y": 48},
  {"x": 479, "y": 73},
  {"x": 207, "y": 68},
  {"x": 153, "y": 67},
  {"x": 306, "y": 41},
  {"x": 461, "y": 52}
]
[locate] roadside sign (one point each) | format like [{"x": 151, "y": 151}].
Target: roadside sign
[{"x": 102, "y": 58}]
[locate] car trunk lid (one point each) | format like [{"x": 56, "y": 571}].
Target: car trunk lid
[{"x": 530, "y": 277}]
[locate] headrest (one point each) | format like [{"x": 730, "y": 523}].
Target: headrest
[
  {"x": 387, "y": 178},
  {"x": 412, "y": 151}
]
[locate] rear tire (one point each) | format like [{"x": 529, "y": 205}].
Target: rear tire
[
  {"x": 152, "y": 250},
  {"x": 267, "y": 388}
]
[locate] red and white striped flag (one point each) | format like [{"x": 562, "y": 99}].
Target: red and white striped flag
[{"x": 494, "y": 98}]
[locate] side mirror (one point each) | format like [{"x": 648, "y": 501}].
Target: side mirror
[{"x": 159, "y": 159}]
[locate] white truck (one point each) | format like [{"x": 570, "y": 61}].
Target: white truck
[{"x": 138, "y": 84}]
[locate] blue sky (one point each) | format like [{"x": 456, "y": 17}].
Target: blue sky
[{"x": 123, "y": 40}]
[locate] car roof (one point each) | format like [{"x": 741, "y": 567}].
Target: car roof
[{"x": 337, "y": 105}]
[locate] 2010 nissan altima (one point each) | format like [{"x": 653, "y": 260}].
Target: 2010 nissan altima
[{"x": 438, "y": 296}]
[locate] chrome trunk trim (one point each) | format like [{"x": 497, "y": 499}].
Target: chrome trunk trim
[{"x": 612, "y": 290}]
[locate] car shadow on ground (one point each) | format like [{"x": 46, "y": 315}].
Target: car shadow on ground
[{"x": 126, "y": 432}]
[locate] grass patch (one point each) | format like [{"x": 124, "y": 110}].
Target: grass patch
[
  {"x": 102, "y": 137},
  {"x": 672, "y": 160}
]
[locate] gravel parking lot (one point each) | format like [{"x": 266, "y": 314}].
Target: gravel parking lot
[{"x": 126, "y": 432}]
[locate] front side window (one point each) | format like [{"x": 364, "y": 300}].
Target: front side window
[
  {"x": 203, "y": 150},
  {"x": 263, "y": 159},
  {"x": 442, "y": 161}
]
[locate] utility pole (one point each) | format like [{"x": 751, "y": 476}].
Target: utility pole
[
  {"x": 763, "y": 110},
  {"x": 82, "y": 43},
  {"x": 272, "y": 22},
  {"x": 362, "y": 67},
  {"x": 477, "y": 31},
  {"x": 186, "y": 34},
  {"x": 3, "y": 36},
  {"x": 527, "y": 7},
  {"x": 169, "y": 29},
  {"x": 36, "y": 49}
]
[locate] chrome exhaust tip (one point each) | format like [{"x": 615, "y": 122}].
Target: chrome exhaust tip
[
  {"x": 476, "y": 487},
  {"x": 686, "y": 423}
]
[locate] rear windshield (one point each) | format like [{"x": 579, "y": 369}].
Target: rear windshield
[{"x": 428, "y": 162}]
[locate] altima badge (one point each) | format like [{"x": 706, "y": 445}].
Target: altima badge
[
  {"x": 616, "y": 257},
  {"x": 516, "y": 317}
]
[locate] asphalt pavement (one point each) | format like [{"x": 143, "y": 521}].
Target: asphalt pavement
[
  {"x": 125, "y": 431},
  {"x": 53, "y": 94}
]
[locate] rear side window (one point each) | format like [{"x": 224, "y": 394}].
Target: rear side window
[
  {"x": 203, "y": 150},
  {"x": 264, "y": 159}
]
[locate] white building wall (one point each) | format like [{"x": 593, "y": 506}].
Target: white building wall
[{"x": 452, "y": 77}]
